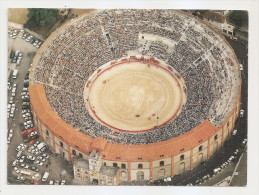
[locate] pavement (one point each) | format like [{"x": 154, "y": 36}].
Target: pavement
[{"x": 240, "y": 175}]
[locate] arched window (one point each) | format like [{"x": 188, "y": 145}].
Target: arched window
[
  {"x": 114, "y": 164},
  {"x": 140, "y": 166},
  {"x": 200, "y": 148},
  {"x": 162, "y": 163},
  {"x": 215, "y": 137},
  {"x": 182, "y": 157},
  {"x": 47, "y": 133},
  {"x": 123, "y": 166},
  {"x": 73, "y": 152},
  {"x": 61, "y": 144},
  {"x": 140, "y": 175},
  {"x": 80, "y": 155}
]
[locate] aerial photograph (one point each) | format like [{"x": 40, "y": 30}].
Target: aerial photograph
[{"x": 127, "y": 97}]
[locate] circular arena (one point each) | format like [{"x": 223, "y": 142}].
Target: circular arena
[{"x": 150, "y": 92}]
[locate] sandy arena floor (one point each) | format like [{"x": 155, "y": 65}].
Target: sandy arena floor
[{"x": 131, "y": 96}]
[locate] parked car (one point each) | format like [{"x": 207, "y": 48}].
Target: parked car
[
  {"x": 33, "y": 141},
  {"x": 241, "y": 113},
  {"x": 36, "y": 176},
  {"x": 234, "y": 132},
  {"x": 25, "y": 132},
  {"x": 16, "y": 170},
  {"x": 34, "y": 169},
  {"x": 14, "y": 162},
  {"x": 20, "y": 178}
]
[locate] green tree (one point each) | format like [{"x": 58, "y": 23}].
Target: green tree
[
  {"x": 238, "y": 17},
  {"x": 39, "y": 17}
]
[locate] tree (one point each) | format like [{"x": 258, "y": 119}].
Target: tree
[
  {"x": 40, "y": 17},
  {"x": 238, "y": 17}
]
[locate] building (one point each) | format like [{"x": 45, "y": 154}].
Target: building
[{"x": 217, "y": 18}]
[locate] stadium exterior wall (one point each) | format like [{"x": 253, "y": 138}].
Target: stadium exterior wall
[{"x": 158, "y": 160}]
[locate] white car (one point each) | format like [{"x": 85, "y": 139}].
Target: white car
[
  {"x": 20, "y": 178},
  {"x": 21, "y": 147},
  {"x": 16, "y": 170},
  {"x": 14, "y": 162},
  {"x": 10, "y": 133},
  {"x": 22, "y": 159},
  {"x": 51, "y": 182},
  {"x": 11, "y": 100},
  {"x": 241, "y": 113},
  {"x": 30, "y": 149},
  {"x": 63, "y": 182},
  {"x": 31, "y": 157},
  {"x": 36, "y": 176},
  {"x": 28, "y": 114},
  {"x": 234, "y": 132},
  {"x": 33, "y": 133},
  {"x": 8, "y": 140},
  {"x": 38, "y": 163},
  {"x": 24, "y": 93}
]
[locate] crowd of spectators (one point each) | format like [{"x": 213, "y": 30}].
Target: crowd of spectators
[{"x": 85, "y": 44}]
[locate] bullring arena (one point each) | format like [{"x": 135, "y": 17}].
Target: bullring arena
[{"x": 152, "y": 93}]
